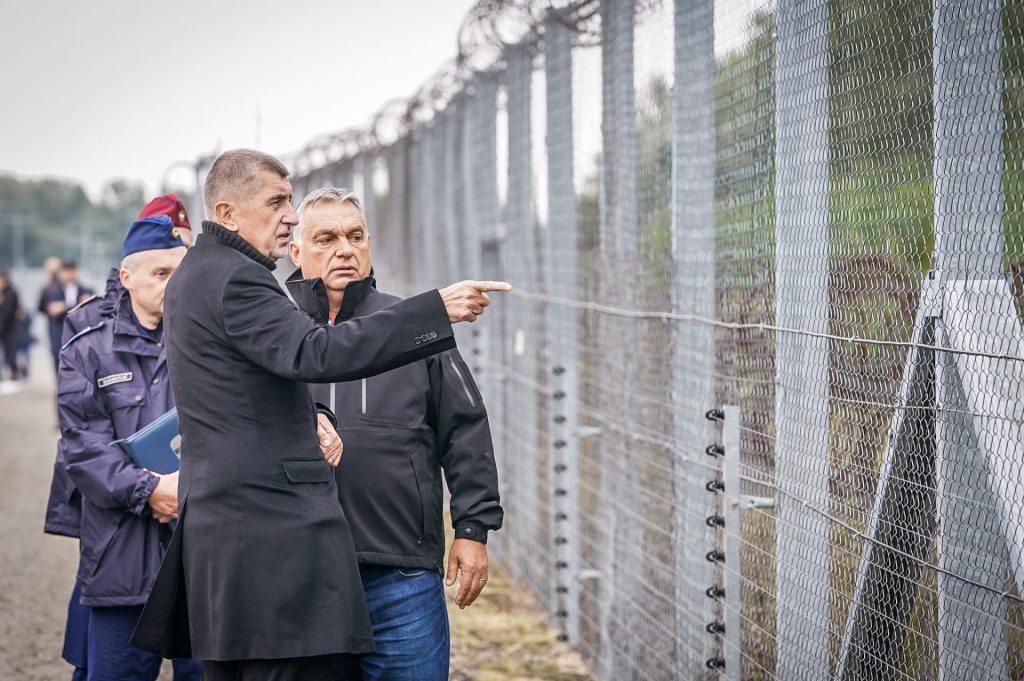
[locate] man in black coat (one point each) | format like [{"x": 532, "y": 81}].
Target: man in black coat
[
  {"x": 261, "y": 580},
  {"x": 401, "y": 430}
]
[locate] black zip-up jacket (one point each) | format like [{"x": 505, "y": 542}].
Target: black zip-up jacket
[{"x": 401, "y": 429}]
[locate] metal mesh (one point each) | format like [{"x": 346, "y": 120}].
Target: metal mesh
[{"x": 757, "y": 398}]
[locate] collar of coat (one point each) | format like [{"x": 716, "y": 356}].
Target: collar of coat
[
  {"x": 229, "y": 238},
  {"x": 128, "y": 337},
  {"x": 311, "y": 296}
]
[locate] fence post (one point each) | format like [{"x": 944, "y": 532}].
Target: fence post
[
  {"x": 801, "y": 362},
  {"x": 621, "y": 584},
  {"x": 563, "y": 323},
  {"x": 969, "y": 248},
  {"x": 734, "y": 503},
  {"x": 693, "y": 345},
  {"x": 522, "y": 258}
]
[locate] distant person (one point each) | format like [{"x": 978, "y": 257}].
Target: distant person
[
  {"x": 113, "y": 381},
  {"x": 64, "y": 507},
  {"x": 261, "y": 580},
  {"x": 10, "y": 326},
  {"x": 403, "y": 431},
  {"x": 67, "y": 293},
  {"x": 51, "y": 266},
  {"x": 25, "y": 342},
  {"x": 171, "y": 206}
]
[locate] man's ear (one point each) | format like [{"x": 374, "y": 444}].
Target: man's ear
[
  {"x": 124, "y": 275},
  {"x": 293, "y": 252},
  {"x": 224, "y": 215}
]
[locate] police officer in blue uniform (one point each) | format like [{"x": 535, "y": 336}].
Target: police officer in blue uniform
[
  {"x": 113, "y": 381},
  {"x": 64, "y": 506}
]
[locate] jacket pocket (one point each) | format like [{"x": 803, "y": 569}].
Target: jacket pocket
[
  {"x": 385, "y": 488},
  {"x": 422, "y": 492},
  {"x": 307, "y": 470},
  {"x": 461, "y": 382}
]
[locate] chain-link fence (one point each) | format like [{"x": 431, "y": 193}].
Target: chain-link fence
[{"x": 757, "y": 399}]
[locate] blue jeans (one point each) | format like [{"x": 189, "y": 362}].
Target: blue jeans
[
  {"x": 113, "y": 658},
  {"x": 410, "y": 628}
]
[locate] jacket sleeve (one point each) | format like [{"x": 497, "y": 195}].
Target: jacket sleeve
[
  {"x": 465, "y": 448},
  {"x": 101, "y": 471},
  {"x": 266, "y": 328}
]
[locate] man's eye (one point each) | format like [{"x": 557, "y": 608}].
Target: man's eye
[
  {"x": 356, "y": 238},
  {"x": 324, "y": 242}
]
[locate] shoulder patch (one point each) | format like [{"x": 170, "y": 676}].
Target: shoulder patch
[
  {"x": 82, "y": 304},
  {"x": 86, "y": 330}
]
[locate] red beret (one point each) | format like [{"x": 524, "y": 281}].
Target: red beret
[{"x": 169, "y": 205}]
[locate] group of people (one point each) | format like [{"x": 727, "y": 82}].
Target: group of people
[
  {"x": 296, "y": 552},
  {"x": 62, "y": 292}
]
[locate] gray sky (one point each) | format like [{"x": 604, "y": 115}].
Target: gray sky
[{"x": 123, "y": 88}]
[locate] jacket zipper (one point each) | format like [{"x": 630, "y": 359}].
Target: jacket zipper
[
  {"x": 364, "y": 396},
  {"x": 465, "y": 388}
]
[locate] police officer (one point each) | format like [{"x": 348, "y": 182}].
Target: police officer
[
  {"x": 64, "y": 506},
  {"x": 112, "y": 382}
]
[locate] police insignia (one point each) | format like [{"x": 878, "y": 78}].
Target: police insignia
[
  {"x": 175, "y": 234},
  {"x": 113, "y": 379}
]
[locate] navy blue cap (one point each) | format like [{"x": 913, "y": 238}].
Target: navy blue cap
[{"x": 151, "y": 234}]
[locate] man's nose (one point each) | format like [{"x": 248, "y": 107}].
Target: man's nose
[
  {"x": 345, "y": 249},
  {"x": 290, "y": 218}
]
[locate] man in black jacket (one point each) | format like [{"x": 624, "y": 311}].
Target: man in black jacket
[
  {"x": 260, "y": 580},
  {"x": 400, "y": 429}
]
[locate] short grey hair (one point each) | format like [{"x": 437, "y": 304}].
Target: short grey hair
[
  {"x": 236, "y": 173},
  {"x": 325, "y": 195}
]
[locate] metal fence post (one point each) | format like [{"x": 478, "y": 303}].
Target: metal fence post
[
  {"x": 619, "y": 251},
  {"x": 522, "y": 257},
  {"x": 693, "y": 345},
  {"x": 969, "y": 245},
  {"x": 802, "y": 391},
  {"x": 563, "y": 324}
]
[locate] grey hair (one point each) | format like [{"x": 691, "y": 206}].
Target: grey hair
[
  {"x": 236, "y": 173},
  {"x": 325, "y": 195},
  {"x": 130, "y": 262}
]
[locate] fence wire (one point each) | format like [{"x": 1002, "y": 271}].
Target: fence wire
[{"x": 805, "y": 217}]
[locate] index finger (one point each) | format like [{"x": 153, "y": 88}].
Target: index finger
[{"x": 491, "y": 285}]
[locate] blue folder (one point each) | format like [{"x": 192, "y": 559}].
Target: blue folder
[{"x": 157, "y": 447}]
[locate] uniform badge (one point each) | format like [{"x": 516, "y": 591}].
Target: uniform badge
[
  {"x": 114, "y": 379},
  {"x": 181, "y": 216},
  {"x": 175, "y": 234}
]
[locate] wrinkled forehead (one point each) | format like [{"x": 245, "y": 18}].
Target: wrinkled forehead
[
  {"x": 271, "y": 184},
  {"x": 336, "y": 217}
]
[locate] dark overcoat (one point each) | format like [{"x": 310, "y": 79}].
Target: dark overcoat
[{"x": 262, "y": 564}]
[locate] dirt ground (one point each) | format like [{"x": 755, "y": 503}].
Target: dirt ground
[{"x": 502, "y": 636}]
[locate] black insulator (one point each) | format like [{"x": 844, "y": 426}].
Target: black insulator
[
  {"x": 715, "y": 450},
  {"x": 715, "y": 486},
  {"x": 559, "y": 395},
  {"x": 715, "y": 628},
  {"x": 715, "y": 557},
  {"x": 558, "y": 371},
  {"x": 715, "y": 521},
  {"x": 715, "y": 414},
  {"x": 560, "y": 419},
  {"x": 715, "y": 592},
  {"x": 715, "y": 663},
  {"x": 559, "y": 444}
]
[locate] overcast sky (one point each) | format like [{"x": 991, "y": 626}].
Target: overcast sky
[{"x": 124, "y": 88}]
